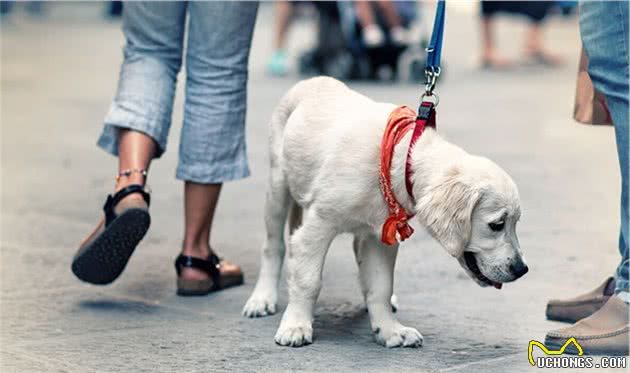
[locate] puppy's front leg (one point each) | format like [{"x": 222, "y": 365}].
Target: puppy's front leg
[
  {"x": 376, "y": 270},
  {"x": 305, "y": 261}
]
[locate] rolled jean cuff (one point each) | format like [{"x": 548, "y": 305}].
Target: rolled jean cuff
[
  {"x": 132, "y": 115},
  {"x": 215, "y": 172}
]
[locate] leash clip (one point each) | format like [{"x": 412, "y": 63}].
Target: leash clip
[
  {"x": 432, "y": 98},
  {"x": 432, "y": 73}
]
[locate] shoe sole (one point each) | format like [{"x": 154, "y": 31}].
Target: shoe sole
[
  {"x": 228, "y": 282},
  {"x": 572, "y": 350},
  {"x": 560, "y": 319},
  {"x": 104, "y": 259}
]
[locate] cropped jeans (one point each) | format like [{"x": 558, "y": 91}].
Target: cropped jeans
[
  {"x": 212, "y": 146},
  {"x": 604, "y": 30}
]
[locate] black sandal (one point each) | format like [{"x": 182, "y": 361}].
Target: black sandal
[
  {"x": 216, "y": 280},
  {"x": 104, "y": 254}
]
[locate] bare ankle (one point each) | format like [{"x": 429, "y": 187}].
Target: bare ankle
[
  {"x": 196, "y": 250},
  {"x": 129, "y": 177}
]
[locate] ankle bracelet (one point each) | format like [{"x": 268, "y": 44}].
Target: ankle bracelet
[{"x": 129, "y": 171}]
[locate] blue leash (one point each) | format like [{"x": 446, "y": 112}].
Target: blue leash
[
  {"x": 434, "y": 50},
  {"x": 429, "y": 99}
]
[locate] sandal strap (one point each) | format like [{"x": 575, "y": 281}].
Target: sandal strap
[
  {"x": 209, "y": 266},
  {"x": 112, "y": 201}
]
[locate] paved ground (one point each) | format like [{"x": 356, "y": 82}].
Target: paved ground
[{"x": 58, "y": 76}]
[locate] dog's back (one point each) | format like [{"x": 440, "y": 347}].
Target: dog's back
[{"x": 315, "y": 117}]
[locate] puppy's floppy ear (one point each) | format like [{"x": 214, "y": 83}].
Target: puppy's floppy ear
[{"x": 446, "y": 211}]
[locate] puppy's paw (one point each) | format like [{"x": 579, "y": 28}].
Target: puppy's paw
[
  {"x": 294, "y": 335},
  {"x": 398, "y": 336},
  {"x": 260, "y": 304}
]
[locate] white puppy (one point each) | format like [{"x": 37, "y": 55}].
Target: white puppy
[{"x": 325, "y": 153}]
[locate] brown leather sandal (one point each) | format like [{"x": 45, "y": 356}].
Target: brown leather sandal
[{"x": 218, "y": 279}]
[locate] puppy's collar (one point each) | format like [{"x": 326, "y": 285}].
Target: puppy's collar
[
  {"x": 400, "y": 122},
  {"x": 424, "y": 119}
]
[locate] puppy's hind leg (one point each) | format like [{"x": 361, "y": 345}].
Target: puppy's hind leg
[
  {"x": 305, "y": 261},
  {"x": 263, "y": 300},
  {"x": 376, "y": 271}
]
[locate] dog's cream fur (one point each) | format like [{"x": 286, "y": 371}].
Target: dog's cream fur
[{"x": 325, "y": 152}]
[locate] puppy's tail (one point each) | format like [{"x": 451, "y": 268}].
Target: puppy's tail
[
  {"x": 281, "y": 115},
  {"x": 287, "y": 105}
]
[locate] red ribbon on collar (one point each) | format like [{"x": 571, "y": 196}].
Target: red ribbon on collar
[{"x": 400, "y": 121}]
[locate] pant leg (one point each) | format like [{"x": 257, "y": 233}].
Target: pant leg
[
  {"x": 604, "y": 30},
  {"x": 212, "y": 147},
  {"x": 154, "y": 33}
]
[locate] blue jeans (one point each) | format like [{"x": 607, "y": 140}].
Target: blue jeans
[
  {"x": 212, "y": 147},
  {"x": 604, "y": 30}
]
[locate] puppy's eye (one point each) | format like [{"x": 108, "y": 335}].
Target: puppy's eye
[{"x": 497, "y": 226}]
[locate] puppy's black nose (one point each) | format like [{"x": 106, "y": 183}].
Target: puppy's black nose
[{"x": 519, "y": 269}]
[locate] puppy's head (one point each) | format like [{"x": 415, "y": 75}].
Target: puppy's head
[{"x": 472, "y": 211}]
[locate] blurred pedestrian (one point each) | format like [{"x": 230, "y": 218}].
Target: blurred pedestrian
[
  {"x": 212, "y": 145},
  {"x": 535, "y": 51},
  {"x": 283, "y": 15},
  {"x": 368, "y": 13},
  {"x": 601, "y": 316}
]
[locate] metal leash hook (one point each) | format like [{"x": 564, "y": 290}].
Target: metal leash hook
[
  {"x": 432, "y": 74},
  {"x": 434, "y": 51}
]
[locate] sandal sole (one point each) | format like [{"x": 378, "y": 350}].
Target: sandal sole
[
  {"x": 228, "y": 282},
  {"x": 104, "y": 259}
]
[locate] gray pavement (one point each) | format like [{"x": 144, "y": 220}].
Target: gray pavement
[{"x": 58, "y": 77}]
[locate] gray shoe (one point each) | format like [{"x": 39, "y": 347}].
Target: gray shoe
[
  {"x": 575, "y": 309},
  {"x": 603, "y": 333}
]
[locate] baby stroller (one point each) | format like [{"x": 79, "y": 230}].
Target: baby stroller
[{"x": 341, "y": 53}]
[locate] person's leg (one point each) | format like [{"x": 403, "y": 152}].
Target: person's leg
[
  {"x": 605, "y": 40},
  {"x": 535, "y": 48},
  {"x": 394, "y": 22},
  {"x": 283, "y": 14},
  {"x": 490, "y": 58},
  {"x": 200, "y": 202},
  {"x": 372, "y": 34},
  {"x": 135, "y": 152},
  {"x": 135, "y": 130},
  {"x": 619, "y": 112},
  {"x": 604, "y": 31},
  {"x": 390, "y": 13},
  {"x": 138, "y": 121},
  {"x": 212, "y": 148},
  {"x": 364, "y": 13}
]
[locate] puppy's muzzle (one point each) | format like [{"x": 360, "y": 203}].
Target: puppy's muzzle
[{"x": 518, "y": 269}]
